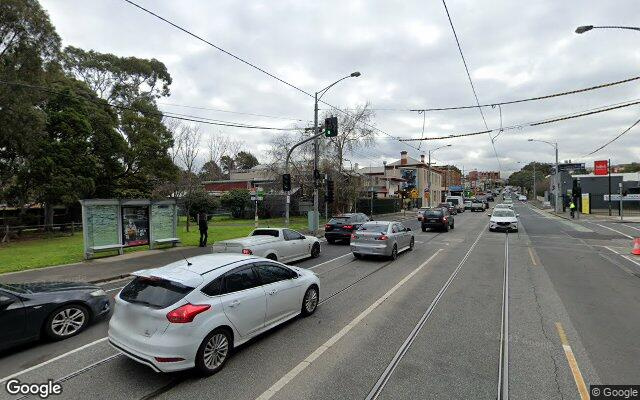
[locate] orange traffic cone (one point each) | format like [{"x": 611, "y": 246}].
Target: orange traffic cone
[{"x": 636, "y": 247}]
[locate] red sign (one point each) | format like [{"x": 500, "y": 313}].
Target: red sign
[{"x": 600, "y": 167}]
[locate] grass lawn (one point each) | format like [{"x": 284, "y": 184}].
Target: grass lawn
[{"x": 45, "y": 250}]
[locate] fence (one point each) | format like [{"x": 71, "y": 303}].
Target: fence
[
  {"x": 10, "y": 232},
  {"x": 380, "y": 206}
]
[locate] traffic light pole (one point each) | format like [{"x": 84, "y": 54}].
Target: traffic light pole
[
  {"x": 286, "y": 171},
  {"x": 316, "y": 150}
]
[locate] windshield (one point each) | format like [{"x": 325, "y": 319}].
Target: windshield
[
  {"x": 154, "y": 292},
  {"x": 453, "y": 201},
  {"x": 503, "y": 213},
  {"x": 266, "y": 232},
  {"x": 434, "y": 213},
  {"x": 381, "y": 227},
  {"x": 339, "y": 220},
  {"x": 15, "y": 287}
]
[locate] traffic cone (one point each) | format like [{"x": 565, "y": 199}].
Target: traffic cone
[{"x": 636, "y": 247}]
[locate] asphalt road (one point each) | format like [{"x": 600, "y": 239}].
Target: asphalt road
[{"x": 432, "y": 324}]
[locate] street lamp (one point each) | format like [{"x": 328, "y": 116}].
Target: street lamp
[
  {"x": 429, "y": 170},
  {"x": 557, "y": 172},
  {"x": 318, "y": 96},
  {"x": 586, "y": 28}
]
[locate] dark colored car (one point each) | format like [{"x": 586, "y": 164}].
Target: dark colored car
[
  {"x": 437, "y": 218},
  {"x": 490, "y": 198},
  {"x": 341, "y": 226},
  {"x": 450, "y": 207},
  {"x": 56, "y": 310}
]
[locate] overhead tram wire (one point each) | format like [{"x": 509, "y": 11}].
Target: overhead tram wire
[
  {"x": 238, "y": 58},
  {"x": 579, "y": 114},
  {"x": 233, "y": 112},
  {"x": 613, "y": 140},
  {"x": 182, "y": 117},
  {"x": 475, "y": 95}
]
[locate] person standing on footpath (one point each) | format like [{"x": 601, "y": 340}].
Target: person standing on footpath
[{"x": 204, "y": 228}]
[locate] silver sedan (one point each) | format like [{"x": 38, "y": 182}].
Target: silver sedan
[{"x": 381, "y": 238}]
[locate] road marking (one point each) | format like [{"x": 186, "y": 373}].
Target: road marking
[
  {"x": 623, "y": 256},
  {"x": 386, "y": 375},
  {"x": 328, "y": 261},
  {"x": 335, "y": 338},
  {"x": 611, "y": 229},
  {"x": 533, "y": 260},
  {"x": 6, "y": 378},
  {"x": 573, "y": 364},
  {"x": 503, "y": 368}
]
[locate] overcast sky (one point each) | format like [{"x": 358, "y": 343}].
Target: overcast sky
[{"x": 408, "y": 58}]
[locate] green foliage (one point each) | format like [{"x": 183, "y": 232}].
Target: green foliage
[
  {"x": 210, "y": 171},
  {"x": 227, "y": 164},
  {"x": 245, "y": 160},
  {"x": 236, "y": 201},
  {"x": 201, "y": 201},
  {"x": 633, "y": 167}
]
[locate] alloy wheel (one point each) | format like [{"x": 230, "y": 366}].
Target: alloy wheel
[
  {"x": 311, "y": 300},
  {"x": 216, "y": 350},
  {"x": 68, "y": 321}
]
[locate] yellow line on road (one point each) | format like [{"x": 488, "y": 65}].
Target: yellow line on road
[
  {"x": 533, "y": 259},
  {"x": 573, "y": 364}
]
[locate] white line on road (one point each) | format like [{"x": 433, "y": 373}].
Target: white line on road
[
  {"x": 611, "y": 229},
  {"x": 328, "y": 261},
  {"x": 623, "y": 256},
  {"x": 335, "y": 338},
  {"x": 53, "y": 359}
]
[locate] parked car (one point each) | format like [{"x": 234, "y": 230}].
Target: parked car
[
  {"x": 438, "y": 218},
  {"x": 490, "y": 198},
  {"x": 457, "y": 201},
  {"x": 194, "y": 313},
  {"x": 420, "y": 211},
  {"x": 57, "y": 310},
  {"x": 477, "y": 205},
  {"x": 280, "y": 244},
  {"x": 467, "y": 204},
  {"x": 341, "y": 226},
  {"x": 450, "y": 207},
  {"x": 381, "y": 238},
  {"x": 503, "y": 219},
  {"x": 522, "y": 197}
]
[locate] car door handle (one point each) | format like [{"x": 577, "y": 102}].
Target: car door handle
[
  {"x": 234, "y": 303},
  {"x": 272, "y": 292}
]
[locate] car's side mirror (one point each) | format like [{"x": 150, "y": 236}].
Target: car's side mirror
[
  {"x": 5, "y": 301},
  {"x": 488, "y": 215},
  {"x": 408, "y": 229}
]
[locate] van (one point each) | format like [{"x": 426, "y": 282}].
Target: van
[{"x": 457, "y": 201}]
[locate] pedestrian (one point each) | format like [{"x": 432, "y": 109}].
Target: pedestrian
[
  {"x": 572, "y": 208},
  {"x": 204, "y": 228}
]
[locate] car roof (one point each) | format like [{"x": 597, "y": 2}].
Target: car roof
[{"x": 191, "y": 275}]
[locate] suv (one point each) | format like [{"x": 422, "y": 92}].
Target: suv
[
  {"x": 477, "y": 205},
  {"x": 341, "y": 226},
  {"x": 457, "y": 201},
  {"x": 450, "y": 207},
  {"x": 437, "y": 218}
]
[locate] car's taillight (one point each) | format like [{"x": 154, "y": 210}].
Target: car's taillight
[
  {"x": 382, "y": 237},
  {"x": 247, "y": 251},
  {"x": 186, "y": 313},
  {"x": 444, "y": 219},
  {"x": 348, "y": 227},
  {"x": 327, "y": 226}
]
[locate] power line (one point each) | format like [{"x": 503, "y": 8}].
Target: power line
[
  {"x": 252, "y": 65},
  {"x": 234, "y": 112},
  {"x": 466, "y": 68},
  {"x": 182, "y": 117},
  {"x": 549, "y": 96},
  {"x": 529, "y": 124},
  {"x": 613, "y": 140}
]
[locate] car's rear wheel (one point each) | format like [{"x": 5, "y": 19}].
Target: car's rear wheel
[
  {"x": 412, "y": 244},
  {"x": 424, "y": 229},
  {"x": 315, "y": 250},
  {"x": 214, "y": 351},
  {"x": 453, "y": 225},
  {"x": 310, "y": 301},
  {"x": 357, "y": 255},
  {"x": 331, "y": 241},
  {"x": 272, "y": 257},
  {"x": 446, "y": 227},
  {"x": 66, "y": 321},
  {"x": 394, "y": 252}
]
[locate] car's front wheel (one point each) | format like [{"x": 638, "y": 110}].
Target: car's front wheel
[
  {"x": 394, "y": 252},
  {"x": 412, "y": 244},
  {"x": 66, "y": 321},
  {"x": 315, "y": 250},
  {"x": 214, "y": 351},
  {"x": 310, "y": 301}
]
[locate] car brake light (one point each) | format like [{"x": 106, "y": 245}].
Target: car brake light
[
  {"x": 186, "y": 313},
  {"x": 247, "y": 251},
  {"x": 326, "y": 226},
  {"x": 348, "y": 227},
  {"x": 382, "y": 237},
  {"x": 168, "y": 359}
]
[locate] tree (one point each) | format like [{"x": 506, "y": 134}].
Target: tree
[
  {"x": 245, "y": 160},
  {"x": 201, "y": 202},
  {"x": 236, "y": 201},
  {"x": 210, "y": 171},
  {"x": 190, "y": 137},
  {"x": 227, "y": 164}
]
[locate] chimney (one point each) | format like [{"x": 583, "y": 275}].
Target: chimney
[
  {"x": 403, "y": 158},
  {"x": 422, "y": 158}
]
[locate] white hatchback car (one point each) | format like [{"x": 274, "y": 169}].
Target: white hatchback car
[{"x": 192, "y": 314}]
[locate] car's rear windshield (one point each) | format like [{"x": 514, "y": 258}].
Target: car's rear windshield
[
  {"x": 339, "y": 220},
  {"x": 266, "y": 232},
  {"x": 433, "y": 213},
  {"x": 503, "y": 213},
  {"x": 453, "y": 201},
  {"x": 154, "y": 292},
  {"x": 375, "y": 227}
]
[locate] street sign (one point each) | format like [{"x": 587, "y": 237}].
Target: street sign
[
  {"x": 257, "y": 194},
  {"x": 616, "y": 197},
  {"x": 600, "y": 167},
  {"x": 571, "y": 167},
  {"x": 414, "y": 194}
]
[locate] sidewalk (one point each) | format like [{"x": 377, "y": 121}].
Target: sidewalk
[
  {"x": 589, "y": 217},
  {"x": 116, "y": 267}
]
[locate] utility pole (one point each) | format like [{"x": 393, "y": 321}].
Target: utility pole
[
  {"x": 429, "y": 179},
  {"x": 620, "y": 190},
  {"x": 609, "y": 172},
  {"x": 557, "y": 205},
  {"x": 534, "y": 181}
]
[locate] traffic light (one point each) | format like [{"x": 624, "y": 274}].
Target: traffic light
[
  {"x": 331, "y": 127},
  {"x": 328, "y": 196},
  {"x": 286, "y": 182}
]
